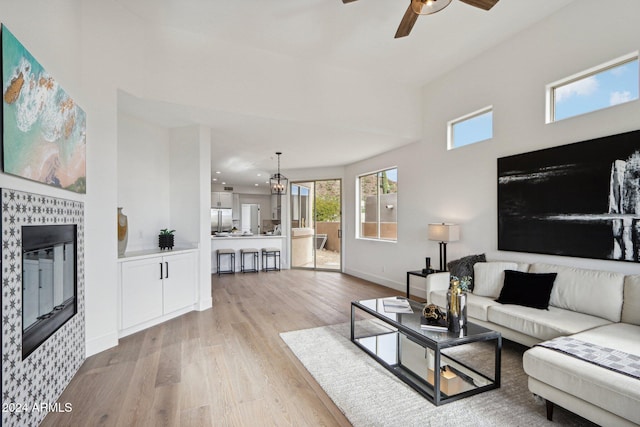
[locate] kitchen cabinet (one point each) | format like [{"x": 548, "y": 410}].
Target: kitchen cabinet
[
  {"x": 156, "y": 288},
  {"x": 221, "y": 199}
]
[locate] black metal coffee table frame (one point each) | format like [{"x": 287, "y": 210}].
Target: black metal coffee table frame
[{"x": 408, "y": 325}]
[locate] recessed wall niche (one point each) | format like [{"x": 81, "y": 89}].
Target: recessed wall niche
[{"x": 31, "y": 386}]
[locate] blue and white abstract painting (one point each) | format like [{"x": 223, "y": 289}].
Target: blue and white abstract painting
[{"x": 44, "y": 129}]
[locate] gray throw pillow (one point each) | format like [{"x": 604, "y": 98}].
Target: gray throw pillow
[{"x": 464, "y": 266}]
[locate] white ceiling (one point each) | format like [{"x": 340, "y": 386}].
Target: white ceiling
[{"x": 356, "y": 36}]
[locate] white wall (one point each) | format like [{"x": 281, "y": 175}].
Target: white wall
[
  {"x": 236, "y": 78},
  {"x": 387, "y": 262},
  {"x": 185, "y": 184},
  {"x": 144, "y": 179},
  {"x": 461, "y": 185},
  {"x": 190, "y": 199}
]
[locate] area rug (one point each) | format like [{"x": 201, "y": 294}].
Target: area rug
[{"x": 369, "y": 395}]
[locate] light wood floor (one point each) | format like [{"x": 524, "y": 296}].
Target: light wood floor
[{"x": 226, "y": 366}]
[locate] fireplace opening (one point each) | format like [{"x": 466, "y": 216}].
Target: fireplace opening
[{"x": 49, "y": 282}]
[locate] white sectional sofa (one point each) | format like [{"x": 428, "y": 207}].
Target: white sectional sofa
[{"x": 598, "y": 307}]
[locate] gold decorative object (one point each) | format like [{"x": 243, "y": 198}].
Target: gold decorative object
[{"x": 456, "y": 306}]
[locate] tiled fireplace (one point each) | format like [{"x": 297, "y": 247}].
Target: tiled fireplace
[{"x": 43, "y": 336}]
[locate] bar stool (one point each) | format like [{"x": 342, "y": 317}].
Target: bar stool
[
  {"x": 232, "y": 261},
  {"x": 270, "y": 253},
  {"x": 256, "y": 262}
]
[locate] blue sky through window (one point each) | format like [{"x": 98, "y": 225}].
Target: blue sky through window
[
  {"x": 474, "y": 129},
  {"x": 613, "y": 86},
  {"x": 392, "y": 174},
  {"x": 299, "y": 190}
]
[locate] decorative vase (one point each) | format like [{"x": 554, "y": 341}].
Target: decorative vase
[
  {"x": 165, "y": 241},
  {"x": 123, "y": 232},
  {"x": 456, "y": 307}
]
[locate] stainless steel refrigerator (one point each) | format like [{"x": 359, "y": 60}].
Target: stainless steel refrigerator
[{"x": 221, "y": 220}]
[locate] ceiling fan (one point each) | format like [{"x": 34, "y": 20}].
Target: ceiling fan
[{"x": 427, "y": 7}]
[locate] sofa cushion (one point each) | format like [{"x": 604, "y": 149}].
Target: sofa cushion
[
  {"x": 528, "y": 289},
  {"x": 476, "y": 305},
  {"x": 615, "y": 392},
  {"x": 544, "y": 325},
  {"x": 464, "y": 266},
  {"x": 631, "y": 304},
  {"x": 594, "y": 292},
  {"x": 489, "y": 277}
]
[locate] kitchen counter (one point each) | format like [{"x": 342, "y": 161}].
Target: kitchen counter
[
  {"x": 239, "y": 241},
  {"x": 150, "y": 253}
]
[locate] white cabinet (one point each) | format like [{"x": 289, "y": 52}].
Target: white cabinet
[
  {"x": 156, "y": 288},
  {"x": 141, "y": 291},
  {"x": 179, "y": 290},
  {"x": 221, "y": 199}
]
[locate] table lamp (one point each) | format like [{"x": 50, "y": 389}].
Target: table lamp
[{"x": 443, "y": 233}]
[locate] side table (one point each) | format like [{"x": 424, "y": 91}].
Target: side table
[{"x": 417, "y": 273}]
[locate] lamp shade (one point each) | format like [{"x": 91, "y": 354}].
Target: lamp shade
[{"x": 443, "y": 232}]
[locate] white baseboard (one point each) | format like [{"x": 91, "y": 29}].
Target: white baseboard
[
  {"x": 97, "y": 345},
  {"x": 156, "y": 321},
  {"x": 401, "y": 287},
  {"x": 204, "y": 305}
]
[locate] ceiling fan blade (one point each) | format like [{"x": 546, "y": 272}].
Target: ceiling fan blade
[
  {"x": 348, "y": 1},
  {"x": 407, "y": 22},
  {"x": 482, "y": 4}
]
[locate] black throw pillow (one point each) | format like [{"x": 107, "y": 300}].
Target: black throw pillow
[
  {"x": 527, "y": 289},
  {"x": 464, "y": 266}
]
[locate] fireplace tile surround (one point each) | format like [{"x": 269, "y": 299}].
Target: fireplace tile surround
[{"x": 31, "y": 387}]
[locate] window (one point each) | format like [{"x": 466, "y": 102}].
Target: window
[
  {"x": 471, "y": 128},
  {"x": 609, "y": 84},
  {"x": 378, "y": 194}
]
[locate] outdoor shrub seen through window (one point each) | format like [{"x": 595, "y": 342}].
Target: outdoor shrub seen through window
[{"x": 378, "y": 205}]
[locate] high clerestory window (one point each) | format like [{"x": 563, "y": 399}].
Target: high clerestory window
[
  {"x": 378, "y": 205},
  {"x": 470, "y": 128},
  {"x": 612, "y": 83}
]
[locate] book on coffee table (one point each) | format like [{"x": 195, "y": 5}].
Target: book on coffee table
[
  {"x": 396, "y": 305},
  {"x": 439, "y": 325}
]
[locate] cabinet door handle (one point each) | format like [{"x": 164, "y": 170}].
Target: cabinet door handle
[
  {"x": 160, "y": 271},
  {"x": 166, "y": 274}
]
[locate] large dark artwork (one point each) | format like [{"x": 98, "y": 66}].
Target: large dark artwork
[{"x": 580, "y": 199}]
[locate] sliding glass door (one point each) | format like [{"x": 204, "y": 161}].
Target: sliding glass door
[{"x": 316, "y": 228}]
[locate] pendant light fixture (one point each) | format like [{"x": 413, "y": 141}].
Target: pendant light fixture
[
  {"x": 427, "y": 7},
  {"x": 279, "y": 182}
]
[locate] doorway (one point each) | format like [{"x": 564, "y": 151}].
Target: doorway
[{"x": 316, "y": 224}]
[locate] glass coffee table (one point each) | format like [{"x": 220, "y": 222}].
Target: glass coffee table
[{"x": 468, "y": 362}]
